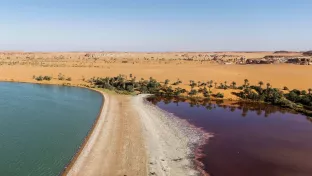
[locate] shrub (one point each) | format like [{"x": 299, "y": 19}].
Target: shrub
[
  {"x": 68, "y": 79},
  {"x": 129, "y": 88},
  {"x": 292, "y": 96},
  {"x": 60, "y": 76},
  {"x": 47, "y": 78},
  {"x": 39, "y": 78},
  {"x": 296, "y": 91},
  {"x": 192, "y": 92},
  {"x": 219, "y": 95}
]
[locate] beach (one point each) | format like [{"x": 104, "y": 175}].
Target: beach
[
  {"x": 115, "y": 146},
  {"x": 133, "y": 137}
]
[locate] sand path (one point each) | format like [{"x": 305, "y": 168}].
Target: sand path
[{"x": 116, "y": 145}]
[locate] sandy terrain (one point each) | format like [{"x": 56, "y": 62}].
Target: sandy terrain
[
  {"x": 170, "y": 143},
  {"x": 21, "y": 66},
  {"x": 132, "y": 138},
  {"x": 81, "y": 66},
  {"x": 292, "y": 76},
  {"x": 135, "y": 138},
  {"x": 116, "y": 146}
]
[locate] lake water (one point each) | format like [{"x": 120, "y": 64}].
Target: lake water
[
  {"x": 250, "y": 140},
  {"x": 42, "y": 126}
]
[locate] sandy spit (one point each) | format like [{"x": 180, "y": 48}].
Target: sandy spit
[
  {"x": 170, "y": 142},
  {"x": 115, "y": 146},
  {"x": 135, "y": 138}
]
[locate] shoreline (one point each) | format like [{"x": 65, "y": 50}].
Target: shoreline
[
  {"x": 174, "y": 145},
  {"x": 86, "y": 139},
  {"x": 68, "y": 167},
  {"x": 184, "y": 128},
  {"x": 81, "y": 148}
]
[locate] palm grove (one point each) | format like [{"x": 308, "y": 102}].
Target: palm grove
[{"x": 298, "y": 100}]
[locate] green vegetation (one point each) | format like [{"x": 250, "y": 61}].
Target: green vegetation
[
  {"x": 129, "y": 86},
  {"x": 62, "y": 77},
  {"x": 41, "y": 78},
  {"x": 49, "y": 78},
  {"x": 298, "y": 100},
  {"x": 219, "y": 95}
]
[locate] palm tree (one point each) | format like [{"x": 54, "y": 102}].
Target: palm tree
[
  {"x": 260, "y": 84},
  {"x": 177, "y": 91},
  {"x": 233, "y": 85},
  {"x": 192, "y": 84},
  {"x": 205, "y": 92},
  {"x": 167, "y": 82},
  {"x": 221, "y": 85},
  {"x": 215, "y": 84},
  {"x": 210, "y": 82},
  {"x": 225, "y": 82},
  {"x": 268, "y": 85},
  {"x": 178, "y": 82},
  {"x": 246, "y": 81},
  {"x": 193, "y": 92},
  {"x": 310, "y": 90}
]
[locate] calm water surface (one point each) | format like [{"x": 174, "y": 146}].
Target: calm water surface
[
  {"x": 41, "y": 126},
  {"x": 252, "y": 140}
]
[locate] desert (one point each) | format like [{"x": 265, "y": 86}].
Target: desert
[
  {"x": 130, "y": 131},
  {"x": 220, "y": 67},
  {"x": 155, "y": 88}
]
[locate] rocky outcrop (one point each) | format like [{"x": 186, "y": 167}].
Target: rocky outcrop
[
  {"x": 300, "y": 61},
  {"x": 308, "y": 53},
  {"x": 281, "y": 52}
]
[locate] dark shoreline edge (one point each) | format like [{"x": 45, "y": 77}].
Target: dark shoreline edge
[
  {"x": 230, "y": 102},
  {"x": 196, "y": 148},
  {"x": 72, "y": 161}
]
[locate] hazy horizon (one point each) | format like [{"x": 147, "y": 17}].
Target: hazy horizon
[
  {"x": 121, "y": 51},
  {"x": 155, "y": 26}
]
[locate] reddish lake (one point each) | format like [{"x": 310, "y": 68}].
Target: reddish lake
[{"x": 251, "y": 140}]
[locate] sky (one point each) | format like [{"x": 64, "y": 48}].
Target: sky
[{"x": 155, "y": 25}]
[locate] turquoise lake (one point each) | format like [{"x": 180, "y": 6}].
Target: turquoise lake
[{"x": 42, "y": 126}]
